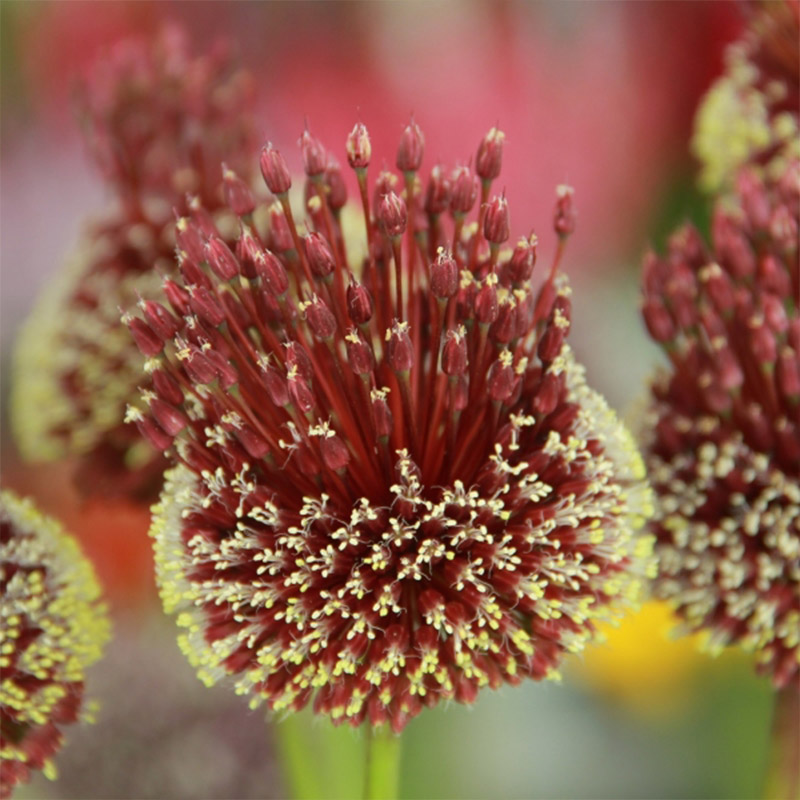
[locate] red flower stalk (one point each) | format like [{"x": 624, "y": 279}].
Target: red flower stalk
[
  {"x": 391, "y": 489},
  {"x": 160, "y": 122},
  {"x": 723, "y": 429},
  {"x": 54, "y": 626}
]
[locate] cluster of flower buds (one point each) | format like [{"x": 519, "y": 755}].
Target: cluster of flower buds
[
  {"x": 723, "y": 430},
  {"x": 751, "y": 115},
  {"x": 54, "y": 627},
  {"x": 392, "y": 485},
  {"x": 160, "y": 121}
]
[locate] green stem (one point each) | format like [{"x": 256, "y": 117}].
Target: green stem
[
  {"x": 382, "y": 774},
  {"x": 783, "y": 774}
]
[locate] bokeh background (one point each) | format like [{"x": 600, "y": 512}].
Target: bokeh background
[{"x": 597, "y": 94}]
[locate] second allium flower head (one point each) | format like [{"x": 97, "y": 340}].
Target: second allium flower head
[{"x": 393, "y": 485}]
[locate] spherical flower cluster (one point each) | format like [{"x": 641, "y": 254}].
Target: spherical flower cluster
[
  {"x": 393, "y": 485},
  {"x": 722, "y": 434},
  {"x": 752, "y": 113},
  {"x": 54, "y": 626},
  {"x": 159, "y": 122}
]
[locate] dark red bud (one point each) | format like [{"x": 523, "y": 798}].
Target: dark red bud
[
  {"x": 386, "y": 182},
  {"x": 486, "y": 309},
  {"x": 320, "y": 319},
  {"x": 273, "y": 168},
  {"x": 551, "y": 342},
  {"x": 359, "y": 353},
  {"x": 382, "y": 414},
  {"x": 315, "y": 159},
  {"x": 200, "y": 216},
  {"x": 249, "y": 252},
  {"x": 444, "y": 275},
  {"x": 189, "y": 239},
  {"x": 166, "y": 387},
  {"x": 359, "y": 149},
  {"x": 783, "y": 228},
  {"x": 393, "y": 214},
  {"x": 775, "y": 315},
  {"x": 191, "y": 273},
  {"x": 399, "y": 350},
  {"x": 411, "y": 148},
  {"x": 154, "y": 434},
  {"x": 658, "y": 321},
  {"x": 221, "y": 259},
  {"x": 178, "y": 297},
  {"x": 546, "y": 398},
  {"x": 335, "y": 187},
  {"x": 238, "y": 196},
  {"x": 198, "y": 367},
  {"x": 299, "y": 394},
  {"x": 564, "y": 217},
  {"x": 501, "y": 378},
  {"x": 272, "y": 273},
  {"x": 146, "y": 340},
  {"x": 437, "y": 195},
  {"x": 319, "y": 254},
  {"x": 495, "y": 223},
  {"x": 454, "y": 353},
  {"x": 504, "y": 328},
  {"x": 206, "y": 305},
  {"x": 523, "y": 260},
  {"x": 296, "y": 356},
  {"x": 167, "y": 416},
  {"x": 490, "y": 155},
  {"x": 279, "y": 232},
  {"x": 359, "y": 303},
  {"x": 160, "y": 320},
  {"x": 729, "y": 373},
  {"x": 227, "y": 373},
  {"x": 762, "y": 343},
  {"x": 276, "y": 385},
  {"x": 733, "y": 250},
  {"x": 719, "y": 287},
  {"x": 255, "y": 445},
  {"x": 465, "y": 190},
  {"x": 334, "y": 452}
]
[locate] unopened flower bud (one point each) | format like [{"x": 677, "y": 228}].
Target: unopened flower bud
[
  {"x": 454, "y": 352},
  {"x": 297, "y": 357},
  {"x": 658, "y": 321},
  {"x": 150, "y": 430},
  {"x": 783, "y": 228},
  {"x": 255, "y": 444},
  {"x": 381, "y": 413},
  {"x": 464, "y": 191},
  {"x": 320, "y": 319},
  {"x": 359, "y": 149},
  {"x": 490, "y": 155},
  {"x": 501, "y": 378},
  {"x": 495, "y": 223},
  {"x": 171, "y": 420},
  {"x": 335, "y": 188},
  {"x": 274, "y": 169},
  {"x": 386, "y": 182},
  {"x": 221, "y": 259},
  {"x": 146, "y": 340},
  {"x": 166, "y": 387},
  {"x": 189, "y": 240},
  {"x": 280, "y": 236},
  {"x": 238, "y": 196},
  {"x": 523, "y": 260},
  {"x": 178, "y": 297},
  {"x": 564, "y": 218},
  {"x": 272, "y": 272},
  {"x": 444, "y": 275},
  {"x": 393, "y": 214},
  {"x": 249, "y": 252},
  {"x": 315, "y": 159},
  {"x": 275, "y": 384},
  {"x": 299, "y": 393},
  {"x": 162, "y": 322},
  {"x": 486, "y": 301},
  {"x": 205, "y": 304},
  {"x": 334, "y": 452},
  {"x": 411, "y": 148},
  {"x": 733, "y": 250},
  {"x": 359, "y": 303},
  {"x": 437, "y": 195},
  {"x": 754, "y": 200},
  {"x": 319, "y": 254},
  {"x": 359, "y": 353},
  {"x": 399, "y": 350}
]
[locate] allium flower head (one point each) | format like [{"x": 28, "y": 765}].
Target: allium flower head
[
  {"x": 752, "y": 113},
  {"x": 159, "y": 122},
  {"x": 393, "y": 484},
  {"x": 54, "y": 626},
  {"x": 722, "y": 434}
]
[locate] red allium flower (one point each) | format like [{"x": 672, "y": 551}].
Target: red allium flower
[
  {"x": 752, "y": 114},
  {"x": 54, "y": 626},
  {"x": 723, "y": 430},
  {"x": 159, "y": 123},
  {"x": 393, "y": 484}
]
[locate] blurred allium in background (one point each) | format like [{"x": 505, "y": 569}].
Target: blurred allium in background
[
  {"x": 723, "y": 434},
  {"x": 159, "y": 122},
  {"x": 751, "y": 113},
  {"x": 393, "y": 492},
  {"x": 54, "y": 626}
]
